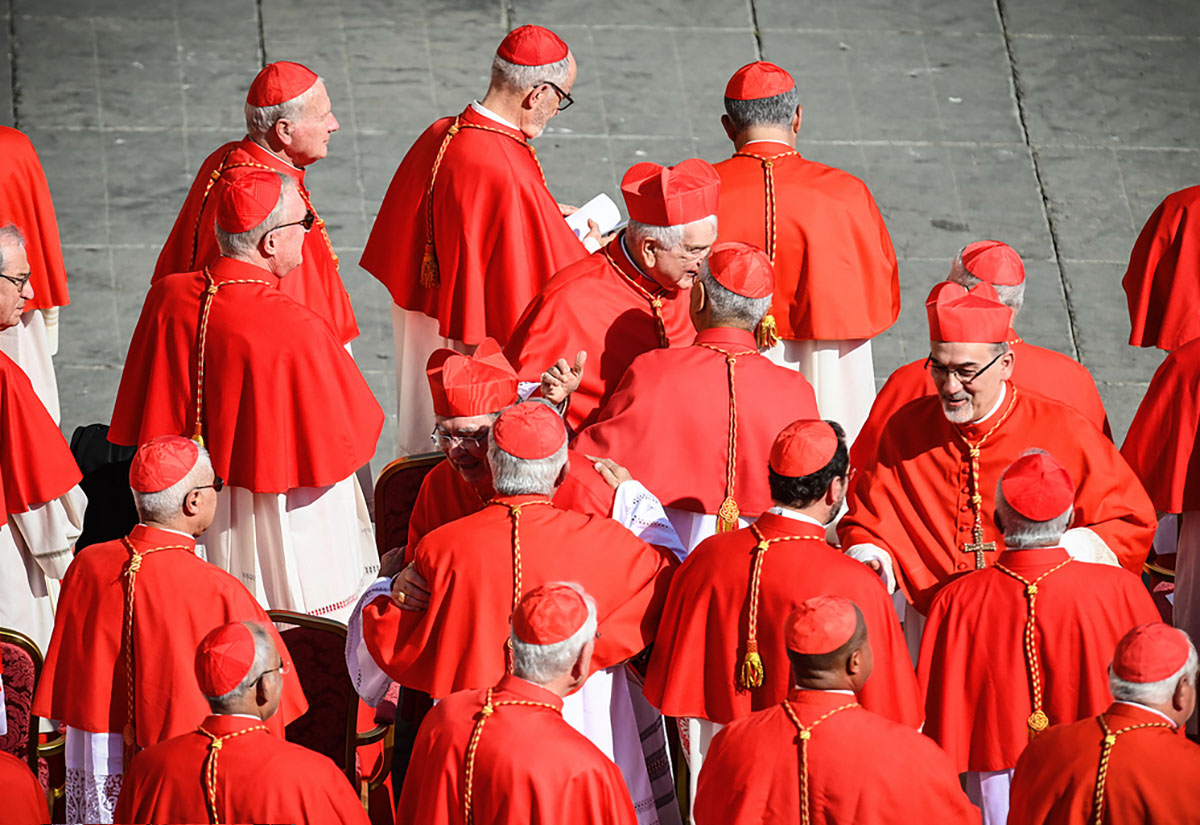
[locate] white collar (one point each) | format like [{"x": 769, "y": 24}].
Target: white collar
[
  {"x": 999, "y": 401},
  {"x": 168, "y": 530},
  {"x": 817, "y": 690},
  {"x": 272, "y": 154},
  {"x": 767, "y": 140},
  {"x": 490, "y": 115},
  {"x": 796, "y": 515},
  {"x": 1143, "y": 707},
  {"x": 634, "y": 263}
]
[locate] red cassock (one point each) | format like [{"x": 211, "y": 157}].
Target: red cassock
[
  {"x": 260, "y": 778},
  {"x": 1161, "y": 444},
  {"x": 178, "y": 599},
  {"x": 530, "y": 766},
  {"x": 444, "y": 497},
  {"x": 599, "y": 305},
  {"x": 977, "y": 707},
  {"x": 668, "y": 421},
  {"x": 192, "y": 244},
  {"x": 835, "y": 269},
  {"x": 915, "y": 500},
  {"x": 36, "y": 464},
  {"x": 24, "y": 799},
  {"x": 1035, "y": 368},
  {"x": 459, "y": 642},
  {"x": 285, "y": 406},
  {"x": 702, "y": 635},
  {"x": 498, "y": 233},
  {"x": 25, "y": 201},
  {"x": 861, "y": 768},
  {"x": 1164, "y": 270},
  {"x": 1151, "y": 773}
]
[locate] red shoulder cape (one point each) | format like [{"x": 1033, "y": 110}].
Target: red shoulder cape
[
  {"x": 24, "y": 799},
  {"x": 25, "y": 201},
  {"x": 285, "y": 404},
  {"x": 1164, "y": 271}
]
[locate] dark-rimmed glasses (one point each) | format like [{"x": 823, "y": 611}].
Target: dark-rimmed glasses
[
  {"x": 965, "y": 377},
  {"x": 282, "y": 670},
  {"x": 218, "y": 484},
  {"x": 444, "y": 440},
  {"x": 564, "y": 99},
  {"x": 307, "y": 222},
  {"x": 19, "y": 283}
]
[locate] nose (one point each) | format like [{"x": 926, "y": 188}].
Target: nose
[
  {"x": 333, "y": 123},
  {"x": 27, "y": 291}
]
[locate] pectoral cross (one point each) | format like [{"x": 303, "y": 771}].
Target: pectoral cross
[{"x": 979, "y": 547}]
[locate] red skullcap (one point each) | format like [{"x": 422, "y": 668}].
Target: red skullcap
[
  {"x": 247, "y": 199},
  {"x": 549, "y": 614},
  {"x": 757, "y": 80},
  {"x": 478, "y": 384},
  {"x": 530, "y": 431},
  {"x": 975, "y": 317},
  {"x": 223, "y": 658},
  {"x": 994, "y": 262},
  {"x": 803, "y": 448},
  {"x": 532, "y": 46},
  {"x": 743, "y": 269},
  {"x": 280, "y": 82},
  {"x": 161, "y": 462},
  {"x": 1038, "y": 487},
  {"x": 820, "y": 625},
  {"x": 671, "y": 195},
  {"x": 1150, "y": 653}
]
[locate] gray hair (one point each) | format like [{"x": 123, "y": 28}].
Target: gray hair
[
  {"x": 1011, "y": 295},
  {"x": 764, "y": 111},
  {"x": 542, "y": 664},
  {"x": 519, "y": 78},
  {"x": 1021, "y": 533},
  {"x": 668, "y": 237},
  {"x": 727, "y": 307},
  {"x": 1153, "y": 693},
  {"x": 264, "y": 650},
  {"x": 512, "y": 476},
  {"x": 167, "y": 504},
  {"x": 9, "y": 234},
  {"x": 244, "y": 244},
  {"x": 261, "y": 119}
]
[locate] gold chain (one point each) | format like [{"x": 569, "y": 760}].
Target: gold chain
[
  {"x": 978, "y": 547},
  {"x": 1110, "y": 739},
  {"x": 727, "y": 513},
  {"x": 805, "y": 735},
  {"x": 514, "y": 512},
  {"x": 210, "y": 766}
]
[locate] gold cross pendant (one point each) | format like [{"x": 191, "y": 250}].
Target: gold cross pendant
[{"x": 979, "y": 547}]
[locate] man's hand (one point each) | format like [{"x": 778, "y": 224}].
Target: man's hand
[
  {"x": 410, "y": 590},
  {"x": 562, "y": 379},
  {"x": 594, "y": 233},
  {"x": 567, "y": 209},
  {"x": 391, "y": 562},
  {"x": 876, "y": 565},
  {"x": 610, "y": 471}
]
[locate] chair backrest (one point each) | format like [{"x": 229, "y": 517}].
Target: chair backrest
[
  {"x": 318, "y": 650},
  {"x": 22, "y": 669},
  {"x": 395, "y": 494}
]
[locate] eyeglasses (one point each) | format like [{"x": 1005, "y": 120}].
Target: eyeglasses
[
  {"x": 444, "y": 440},
  {"x": 283, "y": 670},
  {"x": 691, "y": 254},
  {"x": 307, "y": 222},
  {"x": 218, "y": 484},
  {"x": 941, "y": 372},
  {"x": 564, "y": 99},
  {"x": 19, "y": 283}
]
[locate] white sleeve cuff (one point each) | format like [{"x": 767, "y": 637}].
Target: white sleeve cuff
[
  {"x": 591, "y": 244},
  {"x": 639, "y": 510},
  {"x": 1083, "y": 544},
  {"x": 873, "y": 552},
  {"x": 370, "y": 681}
]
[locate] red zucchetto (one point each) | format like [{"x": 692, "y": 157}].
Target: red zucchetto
[
  {"x": 532, "y": 46},
  {"x": 757, "y": 80},
  {"x": 742, "y": 269},
  {"x": 820, "y": 625},
  {"x": 247, "y": 199},
  {"x": 280, "y": 82},
  {"x": 1038, "y": 487},
  {"x": 224, "y": 658},
  {"x": 530, "y": 431},
  {"x": 549, "y": 614},
  {"x": 161, "y": 462},
  {"x": 994, "y": 262},
  {"x": 803, "y": 448},
  {"x": 1150, "y": 653}
]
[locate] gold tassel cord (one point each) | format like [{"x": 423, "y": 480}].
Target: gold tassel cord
[
  {"x": 766, "y": 334},
  {"x": 974, "y": 451},
  {"x": 514, "y": 513},
  {"x": 215, "y": 744},
  {"x": 655, "y": 301},
  {"x": 1110, "y": 739},
  {"x": 728, "y": 512},
  {"x": 805, "y": 734}
]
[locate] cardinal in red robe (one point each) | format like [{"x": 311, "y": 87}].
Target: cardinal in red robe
[
  {"x": 705, "y": 464},
  {"x": 922, "y": 512},
  {"x": 1132, "y": 762},
  {"x": 836, "y": 279},
  {"x": 232, "y": 768},
  {"x": 503, "y": 754},
  {"x": 818, "y": 756},
  {"x": 24, "y": 799},
  {"x": 631, "y": 296},
  {"x": 289, "y": 120},
  {"x": 1164, "y": 267},
  {"x": 1035, "y": 368},
  {"x": 1049, "y": 625}
]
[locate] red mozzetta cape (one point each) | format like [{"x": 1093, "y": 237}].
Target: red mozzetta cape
[
  {"x": 459, "y": 642},
  {"x": 835, "y": 269},
  {"x": 530, "y": 766},
  {"x": 668, "y": 421},
  {"x": 498, "y": 232},
  {"x": 24, "y": 799},
  {"x": 1164, "y": 270},
  {"x": 702, "y": 636},
  {"x": 977, "y": 706},
  {"x": 1042, "y": 370},
  {"x": 192, "y": 244},
  {"x": 1151, "y": 773},
  {"x": 444, "y": 497},
  {"x": 260, "y": 778},
  {"x": 1161, "y": 444},
  {"x": 915, "y": 500},
  {"x": 595, "y": 306},
  {"x": 25, "y": 202},
  {"x": 285, "y": 406},
  {"x": 36, "y": 464},
  {"x": 861, "y": 768},
  {"x": 179, "y": 598}
]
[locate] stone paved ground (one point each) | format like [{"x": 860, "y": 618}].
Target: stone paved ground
[{"x": 1055, "y": 125}]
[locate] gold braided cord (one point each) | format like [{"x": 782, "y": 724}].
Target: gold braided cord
[
  {"x": 209, "y": 292},
  {"x": 215, "y": 744},
  {"x": 514, "y": 513},
  {"x": 656, "y": 304},
  {"x": 805, "y": 735},
  {"x": 485, "y": 713},
  {"x": 1038, "y": 721},
  {"x": 973, "y": 451},
  {"x": 768, "y": 163},
  {"x": 1110, "y": 739},
  {"x": 727, "y": 513}
]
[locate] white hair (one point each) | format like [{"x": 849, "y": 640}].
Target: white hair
[
  {"x": 244, "y": 244},
  {"x": 512, "y": 476},
  {"x": 10, "y": 234},
  {"x": 1011, "y": 295},
  {"x": 668, "y": 237},
  {"x": 519, "y": 78},
  {"x": 261, "y": 119},
  {"x": 264, "y": 648},
  {"x": 542, "y": 664},
  {"x": 167, "y": 504},
  {"x": 1021, "y": 533},
  {"x": 727, "y": 307},
  {"x": 1153, "y": 693}
]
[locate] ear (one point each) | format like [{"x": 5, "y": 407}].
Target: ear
[
  {"x": 836, "y": 489},
  {"x": 562, "y": 475},
  {"x": 854, "y": 663},
  {"x": 262, "y": 696},
  {"x": 796, "y": 118},
  {"x": 191, "y": 503},
  {"x": 1179, "y": 700},
  {"x": 579, "y": 670},
  {"x": 699, "y": 296},
  {"x": 727, "y": 125},
  {"x": 645, "y": 254},
  {"x": 268, "y": 246},
  {"x": 530, "y": 100},
  {"x": 998, "y": 521},
  {"x": 282, "y": 130}
]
